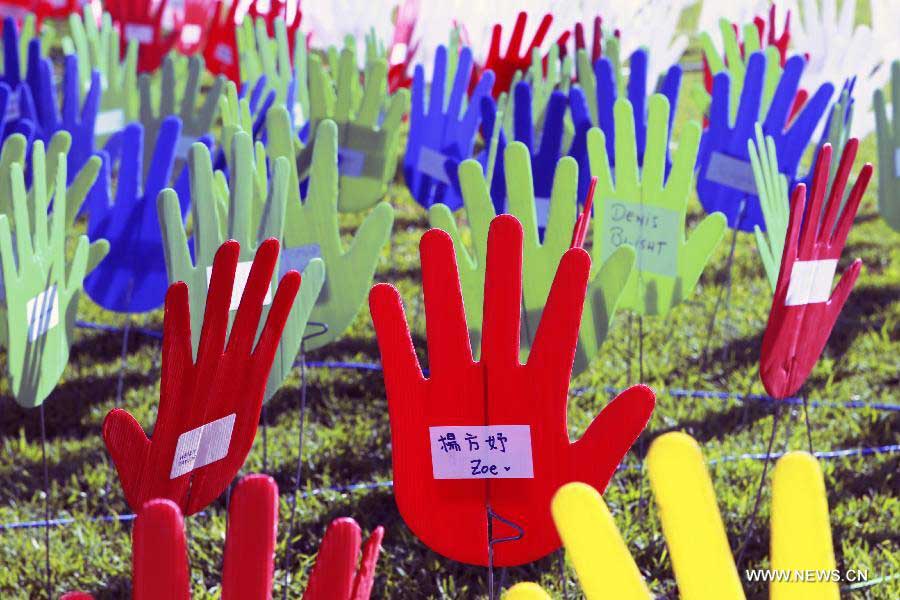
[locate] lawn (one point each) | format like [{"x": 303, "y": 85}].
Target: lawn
[{"x": 347, "y": 435}]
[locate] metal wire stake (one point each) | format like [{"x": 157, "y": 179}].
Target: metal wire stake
[
  {"x": 491, "y": 515},
  {"x": 49, "y": 583},
  {"x": 729, "y": 265},
  {"x": 123, "y": 362}
]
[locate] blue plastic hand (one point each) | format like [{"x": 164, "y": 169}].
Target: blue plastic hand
[
  {"x": 132, "y": 278},
  {"x": 79, "y": 123},
  {"x": 725, "y": 179},
  {"x": 444, "y": 136},
  {"x": 19, "y": 112},
  {"x": 607, "y": 93}
]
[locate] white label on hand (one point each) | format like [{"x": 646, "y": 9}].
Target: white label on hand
[
  {"x": 42, "y": 313},
  {"x": 542, "y": 211},
  {"x": 137, "y": 31},
  {"x": 297, "y": 114},
  {"x": 897, "y": 162},
  {"x": 13, "y": 110},
  {"x": 241, "y": 274},
  {"x": 183, "y": 146},
  {"x": 109, "y": 121},
  {"x": 398, "y": 54},
  {"x": 810, "y": 282},
  {"x": 224, "y": 54},
  {"x": 202, "y": 446},
  {"x": 481, "y": 452},
  {"x": 190, "y": 34}
]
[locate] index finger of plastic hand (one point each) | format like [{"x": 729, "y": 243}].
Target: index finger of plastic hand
[
  {"x": 461, "y": 83},
  {"x": 783, "y": 100},
  {"x": 845, "y": 221},
  {"x": 335, "y": 567},
  {"x": 601, "y": 559},
  {"x": 21, "y": 218},
  {"x": 502, "y": 292},
  {"x": 398, "y": 355},
  {"x": 654, "y": 156},
  {"x": 374, "y": 94},
  {"x": 246, "y": 321},
  {"x": 218, "y": 303},
  {"x": 160, "y": 171},
  {"x": 445, "y": 318},
  {"x": 177, "y": 254},
  {"x": 365, "y": 576},
  {"x": 711, "y": 54},
  {"x": 11, "y": 71},
  {"x": 242, "y": 193},
  {"x": 513, "y": 49},
  {"x": 552, "y": 135},
  {"x": 417, "y": 108},
  {"x": 436, "y": 97},
  {"x": 250, "y": 538},
  {"x": 719, "y": 117},
  {"x": 541, "y": 32},
  {"x": 160, "y": 568},
  {"x": 627, "y": 174},
  {"x": 751, "y": 98},
  {"x": 278, "y": 315},
  {"x": 522, "y": 121}
]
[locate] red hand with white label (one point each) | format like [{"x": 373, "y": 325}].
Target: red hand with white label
[
  {"x": 450, "y": 515},
  {"x": 221, "y": 52},
  {"x": 142, "y": 21},
  {"x": 221, "y": 393},
  {"x": 516, "y": 58},
  {"x": 804, "y": 310}
]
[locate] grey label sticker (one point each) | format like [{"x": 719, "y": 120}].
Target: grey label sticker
[
  {"x": 202, "y": 446},
  {"x": 351, "y": 162},
  {"x": 731, "y": 172},
  {"x": 652, "y": 230}
]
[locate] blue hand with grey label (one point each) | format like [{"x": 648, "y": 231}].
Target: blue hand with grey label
[{"x": 724, "y": 177}]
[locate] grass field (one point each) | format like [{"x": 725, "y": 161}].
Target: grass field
[{"x": 347, "y": 436}]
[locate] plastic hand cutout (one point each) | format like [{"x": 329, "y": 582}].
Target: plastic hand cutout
[
  {"x": 273, "y": 59},
  {"x": 368, "y": 146},
  {"x": 888, "y": 133},
  {"x": 596, "y": 50},
  {"x": 311, "y": 229},
  {"x": 133, "y": 278},
  {"x": 98, "y": 49},
  {"x": 541, "y": 256},
  {"x": 15, "y": 82},
  {"x": 516, "y": 58},
  {"x": 442, "y": 137},
  {"x": 253, "y": 212},
  {"x": 641, "y": 208},
  {"x": 498, "y": 392},
  {"x": 341, "y": 571},
  {"x": 403, "y": 50},
  {"x": 221, "y": 50},
  {"x": 772, "y": 190},
  {"x": 804, "y": 309},
  {"x": 195, "y": 122},
  {"x": 41, "y": 284},
  {"x": 725, "y": 178},
  {"x": 77, "y": 119},
  {"x": 141, "y": 21},
  {"x": 598, "y": 111},
  {"x": 208, "y": 409},
  {"x": 196, "y": 17}
]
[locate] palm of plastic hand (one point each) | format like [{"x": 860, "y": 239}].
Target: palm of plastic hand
[
  {"x": 225, "y": 384},
  {"x": 495, "y": 390},
  {"x": 888, "y": 132},
  {"x": 250, "y": 212},
  {"x": 142, "y": 22},
  {"x": 444, "y": 135},
  {"x": 804, "y": 310},
  {"x": 311, "y": 229},
  {"x": 725, "y": 180},
  {"x": 367, "y": 150},
  {"x": 668, "y": 265},
  {"x": 693, "y": 529},
  {"x": 132, "y": 279},
  {"x": 40, "y": 285}
]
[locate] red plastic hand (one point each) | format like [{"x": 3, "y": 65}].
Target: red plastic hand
[
  {"x": 450, "y": 515},
  {"x": 768, "y": 33},
  {"x": 17, "y": 9},
  {"x": 226, "y": 384},
  {"x": 803, "y": 309},
  {"x": 597, "y": 44},
  {"x": 339, "y": 573},
  {"x": 277, "y": 8},
  {"x": 140, "y": 20},
  {"x": 193, "y": 35},
  {"x": 221, "y": 52},
  {"x": 402, "y": 49},
  {"x": 55, "y": 9},
  {"x": 515, "y": 59}
]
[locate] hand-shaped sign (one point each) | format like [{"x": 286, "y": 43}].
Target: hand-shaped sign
[
  {"x": 368, "y": 145},
  {"x": 694, "y": 533},
  {"x": 41, "y": 286},
  {"x": 541, "y": 255},
  {"x": 490, "y": 438},
  {"x": 221, "y": 51},
  {"x": 516, "y": 58},
  {"x": 254, "y": 212},
  {"x": 133, "y": 278},
  {"x": 311, "y": 229},
  {"x": 888, "y": 132},
  {"x": 141, "y": 21},
  {"x": 641, "y": 208},
  {"x": 402, "y": 50},
  {"x": 725, "y": 178},
  {"x": 804, "y": 309},
  {"x": 442, "y": 137},
  {"x": 208, "y": 409}
]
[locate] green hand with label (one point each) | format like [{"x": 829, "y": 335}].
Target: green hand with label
[
  {"x": 646, "y": 211},
  {"x": 312, "y": 229},
  {"x": 367, "y": 151},
  {"x": 888, "y": 133},
  {"x": 250, "y": 210},
  {"x": 772, "y": 187},
  {"x": 540, "y": 258},
  {"x": 40, "y": 285}
]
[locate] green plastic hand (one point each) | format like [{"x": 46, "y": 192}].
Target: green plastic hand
[
  {"x": 735, "y": 63},
  {"x": 648, "y": 212},
  {"x": 587, "y": 79},
  {"x": 375, "y": 48},
  {"x": 311, "y": 228},
  {"x": 368, "y": 152},
  {"x": 40, "y": 287},
  {"x": 539, "y": 259},
  {"x": 235, "y": 114},
  {"x": 772, "y": 188},
  {"x": 888, "y": 133},
  {"x": 254, "y": 213},
  {"x": 99, "y": 49},
  {"x": 155, "y": 107}
]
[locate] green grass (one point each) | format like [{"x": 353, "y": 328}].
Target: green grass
[{"x": 347, "y": 435}]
